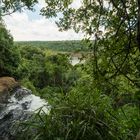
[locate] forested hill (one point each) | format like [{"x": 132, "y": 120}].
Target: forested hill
[{"x": 66, "y": 46}]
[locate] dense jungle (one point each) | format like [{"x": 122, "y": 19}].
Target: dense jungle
[{"x": 96, "y": 98}]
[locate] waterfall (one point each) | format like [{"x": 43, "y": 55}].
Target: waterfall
[{"x": 19, "y": 107}]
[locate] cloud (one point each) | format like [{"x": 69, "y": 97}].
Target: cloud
[
  {"x": 25, "y": 27},
  {"x": 41, "y": 3},
  {"x": 76, "y": 4}
]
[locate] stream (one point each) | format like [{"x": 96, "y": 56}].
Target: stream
[{"x": 75, "y": 60}]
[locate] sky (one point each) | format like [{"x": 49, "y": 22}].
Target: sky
[{"x": 30, "y": 26}]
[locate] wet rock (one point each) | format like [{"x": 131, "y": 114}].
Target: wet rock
[
  {"x": 26, "y": 105},
  {"x": 13, "y": 112},
  {"x": 9, "y": 127},
  {"x": 20, "y": 93}
]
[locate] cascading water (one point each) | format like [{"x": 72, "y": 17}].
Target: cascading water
[{"x": 19, "y": 107}]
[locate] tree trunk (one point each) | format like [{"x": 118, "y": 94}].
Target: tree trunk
[{"x": 138, "y": 25}]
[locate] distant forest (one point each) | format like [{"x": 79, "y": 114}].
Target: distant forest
[{"x": 65, "y": 46}]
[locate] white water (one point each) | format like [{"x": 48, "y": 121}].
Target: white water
[
  {"x": 75, "y": 60},
  {"x": 34, "y": 103},
  {"x": 28, "y": 102}
]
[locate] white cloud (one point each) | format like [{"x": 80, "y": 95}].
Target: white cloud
[
  {"x": 23, "y": 28},
  {"x": 76, "y": 4},
  {"x": 41, "y": 3}
]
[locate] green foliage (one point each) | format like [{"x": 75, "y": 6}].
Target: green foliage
[
  {"x": 9, "y": 55},
  {"x": 28, "y": 84},
  {"x": 64, "y": 46},
  {"x": 45, "y": 69},
  {"x": 103, "y": 102},
  {"x": 49, "y": 92},
  {"x": 8, "y": 7},
  {"x": 96, "y": 100},
  {"x": 85, "y": 113}
]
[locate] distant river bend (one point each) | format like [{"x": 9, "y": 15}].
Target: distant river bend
[{"x": 76, "y": 60}]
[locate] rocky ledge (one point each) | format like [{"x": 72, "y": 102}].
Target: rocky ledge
[{"x": 7, "y": 84}]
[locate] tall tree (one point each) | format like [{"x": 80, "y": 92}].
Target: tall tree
[
  {"x": 114, "y": 27},
  {"x": 9, "y": 56}
]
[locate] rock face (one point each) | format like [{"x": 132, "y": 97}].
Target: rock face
[
  {"x": 7, "y": 84},
  {"x": 16, "y": 104}
]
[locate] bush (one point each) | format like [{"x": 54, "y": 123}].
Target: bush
[
  {"x": 9, "y": 55},
  {"x": 85, "y": 114}
]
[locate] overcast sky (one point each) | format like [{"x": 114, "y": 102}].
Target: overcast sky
[{"x": 29, "y": 25}]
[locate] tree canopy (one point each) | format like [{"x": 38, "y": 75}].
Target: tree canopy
[
  {"x": 9, "y": 57},
  {"x": 103, "y": 103},
  {"x": 113, "y": 24},
  {"x": 10, "y": 6}
]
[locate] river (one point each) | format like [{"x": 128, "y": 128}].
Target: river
[{"x": 75, "y": 60}]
